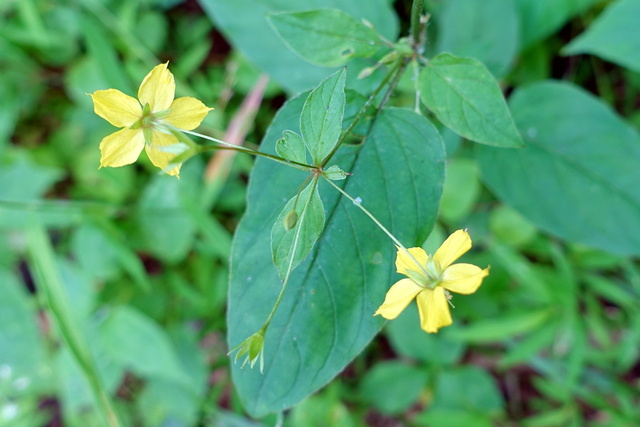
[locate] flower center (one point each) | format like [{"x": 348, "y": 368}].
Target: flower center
[
  {"x": 428, "y": 277},
  {"x": 434, "y": 273}
]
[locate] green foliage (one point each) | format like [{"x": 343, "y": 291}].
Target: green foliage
[
  {"x": 494, "y": 45},
  {"x": 326, "y": 37},
  {"x": 465, "y": 97},
  {"x": 301, "y": 344},
  {"x": 271, "y": 54},
  {"x": 614, "y": 36},
  {"x": 322, "y": 115},
  {"x": 564, "y": 166},
  {"x": 116, "y": 281}
]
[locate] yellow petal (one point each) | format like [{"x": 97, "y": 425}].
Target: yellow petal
[
  {"x": 404, "y": 262},
  {"x": 398, "y": 298},
  {"x": 161, "y": 158},
  {"x": 115, "y": 107},
  {"x": 453, "y": 248},
  {"x": 121, "y": 148},
  {"x": 463, "y": 278},
  {"x": 434, "y": 310},
  {"x": 158, "y": 88},
  {"x": 187, "y": 113}
]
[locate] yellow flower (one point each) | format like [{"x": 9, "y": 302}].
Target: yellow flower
[
  {"x": 146, "y": 122},
  {"x": 430, "y": 280}
]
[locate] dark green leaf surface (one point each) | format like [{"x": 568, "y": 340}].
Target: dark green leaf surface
[
  {"x": 578, "y": 182},
  {"x": 468, "y": 28},
  {"x": 321, "y": 117},
  {"x": 326, "y": 37},
  {"x": 466, "y": 98},
  {"x": 244, "y": 23},
  {"x": 326, "y": 316},
  {"x": 614, "y": 36}
]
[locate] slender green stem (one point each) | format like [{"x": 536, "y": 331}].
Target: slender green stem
[
  {"x": 369, "y": 214},
  {"x": 233, "y": 147},
  {"x": 397, "y": 242},
  {"x": 48, "y": 281},
  {"x": 361, "y": 113},
  {"x": 416, "y": 25},
  {"x": 390, "y": 89}
]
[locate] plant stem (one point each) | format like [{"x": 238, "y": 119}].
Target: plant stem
[
  {"x": 416, "y": 25},
  {"x": 48, "y": 281},
  {"x": 233, "y": 147}
]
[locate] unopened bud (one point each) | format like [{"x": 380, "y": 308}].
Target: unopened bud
[{"x": 290, "y": 220}]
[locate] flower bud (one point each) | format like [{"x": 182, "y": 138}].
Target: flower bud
[{"x": 290, "y": 220}]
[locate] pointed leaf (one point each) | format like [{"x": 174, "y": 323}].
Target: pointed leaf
[
  {"x": 334, "y": 173},
  {"x": 326, "y": 314},
  {"x": 614, "y": 36},
  {"x": 322, "y": 114},
  {"x": 327, "y": 37},
  {"x": 291, "y": 146},
  {"x": 291, "y": 242},
  {"x": 578, "y": 175},
  {"x": 466, "y": 98}
]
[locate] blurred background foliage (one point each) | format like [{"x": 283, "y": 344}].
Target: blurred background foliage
[{"x": 551, "y": 339}]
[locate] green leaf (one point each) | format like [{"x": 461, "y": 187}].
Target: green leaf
[
  {"x": 327, "y": 37},
  {"x": 326, "y": 314},
  {"x": 468, "y": 28},
  {"x": 21, "y": 348},
  {"x": 334, "y": 173},
  {"x": 392, "y": 387},
  {"x": 253, "y": 36},
  {"x": 291, "y": 245},
  {"x": 291, "y": 146},
  {"x": 443, "y": 417},
  {"x": 539, "y": 19},
  {"x": 466, "y": 98},
  {"x": 577, "y": 176},
  {"x": 136, "y": 342},
  {"x": 166, "y": 225},
  {"x": 23, "y": 184},
  {"x": 461, "y": 189},
  {"x": 322, "y": 114},
  {"x": 503, "y": 327},
  {"x": 407, "y": 339},
  {"x": 481, "y": 393},
  {"x": 614, "y": 36}
]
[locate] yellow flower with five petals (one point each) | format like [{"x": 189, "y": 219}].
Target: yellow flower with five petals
[
  {"x": 147, "y": 122},
  {"x": 430, "y": 279}
]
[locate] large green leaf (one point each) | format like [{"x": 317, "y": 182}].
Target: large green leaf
[
  {"x": 326, "y": 315},
  {"x": 578, "y": 175},
  {"x": 468, "y": 28},
  {"x": 244, "y": 23},
  {"x": 327, "y": 37},
  {"x": 466, "y": 98},
  {"x": 614, "y": 36},
  {"x": 540, "y": 18}
]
